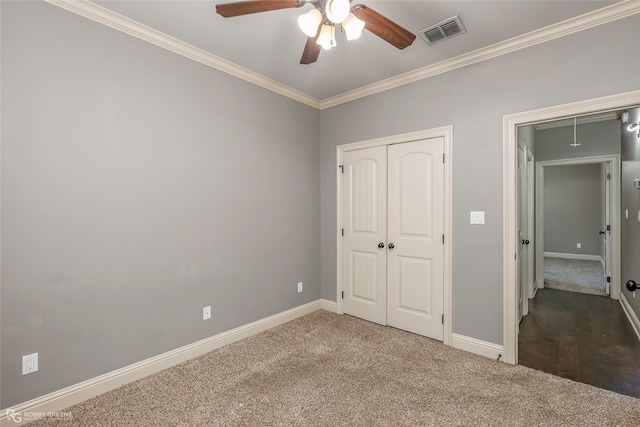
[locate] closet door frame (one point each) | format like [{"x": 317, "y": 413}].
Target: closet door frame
[{"x": 445, "y": 132}]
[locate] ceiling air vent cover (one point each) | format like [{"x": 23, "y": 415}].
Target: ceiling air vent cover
[{"x": 445, "y": 29}]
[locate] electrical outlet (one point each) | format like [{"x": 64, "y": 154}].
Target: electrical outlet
[
  {"x": 206, "y": 313},
  {"x": 299, "y": 286},
  {"x": 579, "y": 245},
  {"x": 29, "y": 363}
]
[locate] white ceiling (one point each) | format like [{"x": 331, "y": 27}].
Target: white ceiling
[{"x": 270, "y": 43}]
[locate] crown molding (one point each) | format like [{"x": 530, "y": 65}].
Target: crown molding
[
  {"x": 133, "y": 28},
  {"x": 610, "y": 13},
  {"x": 121, "y": 23}
]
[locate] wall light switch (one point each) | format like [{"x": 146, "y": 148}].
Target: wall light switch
[
  {"x": 477, "y": 217},
  {"x": 206, "y": 313},
  {"x": 299, "y": 286},
  {"x": 579, "y": 245}
]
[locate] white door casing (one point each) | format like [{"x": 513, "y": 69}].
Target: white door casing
[
  {"x": 509, "y": 197},
  {"x": 416, "y": 230}
]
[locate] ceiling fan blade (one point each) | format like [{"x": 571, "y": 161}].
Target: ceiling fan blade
[
  {"x": 311, "y": 51},
  {"x": 383, "y": 27},
  {"x": 238, "y": 8}
]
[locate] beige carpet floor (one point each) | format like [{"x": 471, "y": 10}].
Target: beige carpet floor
[
  {"x": 325, "y": 369},
  {"x": 574, "y": 275}
]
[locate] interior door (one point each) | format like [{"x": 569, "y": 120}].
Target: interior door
[
  {"x": 607, "y": 227},
  {"x": 531, "y": 279},
  {"x": 364, "y": 218},
  {"x": 415, "y": 235},
  {"x": 522, "y": 231}
]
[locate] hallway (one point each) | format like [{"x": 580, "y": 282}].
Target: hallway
[{"x": 582, "y": 337}]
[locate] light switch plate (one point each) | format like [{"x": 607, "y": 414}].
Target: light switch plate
[{"x": 477, "y": 217}]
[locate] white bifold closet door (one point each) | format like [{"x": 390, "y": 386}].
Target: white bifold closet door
[{"x": 393, "y": 250}]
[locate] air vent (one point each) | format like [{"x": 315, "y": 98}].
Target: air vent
[{"x": 445, "y": 29}]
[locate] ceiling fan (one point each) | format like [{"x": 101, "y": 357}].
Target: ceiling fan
[{"x": 319, "y": 23}]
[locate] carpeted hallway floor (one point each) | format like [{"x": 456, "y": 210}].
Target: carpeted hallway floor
[
  {"x": 326, "y": 370},
  {"x": 574, "y": 275}
]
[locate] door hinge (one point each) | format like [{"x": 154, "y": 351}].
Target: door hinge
[
  {"x": 608, "y": 228},
  {"x": 443, "y": 319},
  {"x": 342, "y": 294},
  {"x": 343, "y": 232},
  {"x": 442, "y": 157},
  {"x": 443, "y": 239},
  {"x": 608, "y": 279},
  {"x": 608, "y": 176},
  {"x": 341, "y": 168}
]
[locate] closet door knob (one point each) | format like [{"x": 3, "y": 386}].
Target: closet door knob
[
  {"x": 391, "y": 246},
  {"x": 380, "y": 245}
]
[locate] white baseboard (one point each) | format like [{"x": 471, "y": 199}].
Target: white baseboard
[
  {"x": 473, "y": 345},
  {"x": 329, "y": 305},
  {"x": 584, "y": 257},
  {"x": 72, "y": 395},
  {"x": 633, "y": 318}
]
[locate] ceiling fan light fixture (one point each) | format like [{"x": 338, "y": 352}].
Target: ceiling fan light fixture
[
  {"x": 337, "y": 10},
  {"x": 327, "y": 37},
  {"x": 353, "y": 27},
  {"x": 310, "y": 21}
]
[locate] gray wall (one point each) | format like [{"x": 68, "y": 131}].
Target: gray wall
[
  {"x": 597, "y": 139},
  {"x": 474, "y": 100},
  {"x": 137, "y": 187},
  {"x": 573, "y": 209},
  {"x": 630, "y": 199}
]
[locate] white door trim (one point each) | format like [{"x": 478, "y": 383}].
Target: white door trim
[
  {"x": 446, "y": 132},
  {"x": 614, "y": 161},
  {"x": 509, "y": 225}
]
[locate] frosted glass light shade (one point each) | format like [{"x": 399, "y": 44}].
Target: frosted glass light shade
[
  {"x": 353, "y": 27},
  {"x": 309, "y": 22},
  {"x": 327, "y": 37},
  {"x": 337, "y": 10}
]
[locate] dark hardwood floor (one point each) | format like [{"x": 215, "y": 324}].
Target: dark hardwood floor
[{"x": 585, "y": 338}]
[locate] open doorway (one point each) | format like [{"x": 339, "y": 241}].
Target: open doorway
[
  {"x": 577, "y": 215},
  {"x": 573, "y": 325},
  {"x": 511, "y": 261}
]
